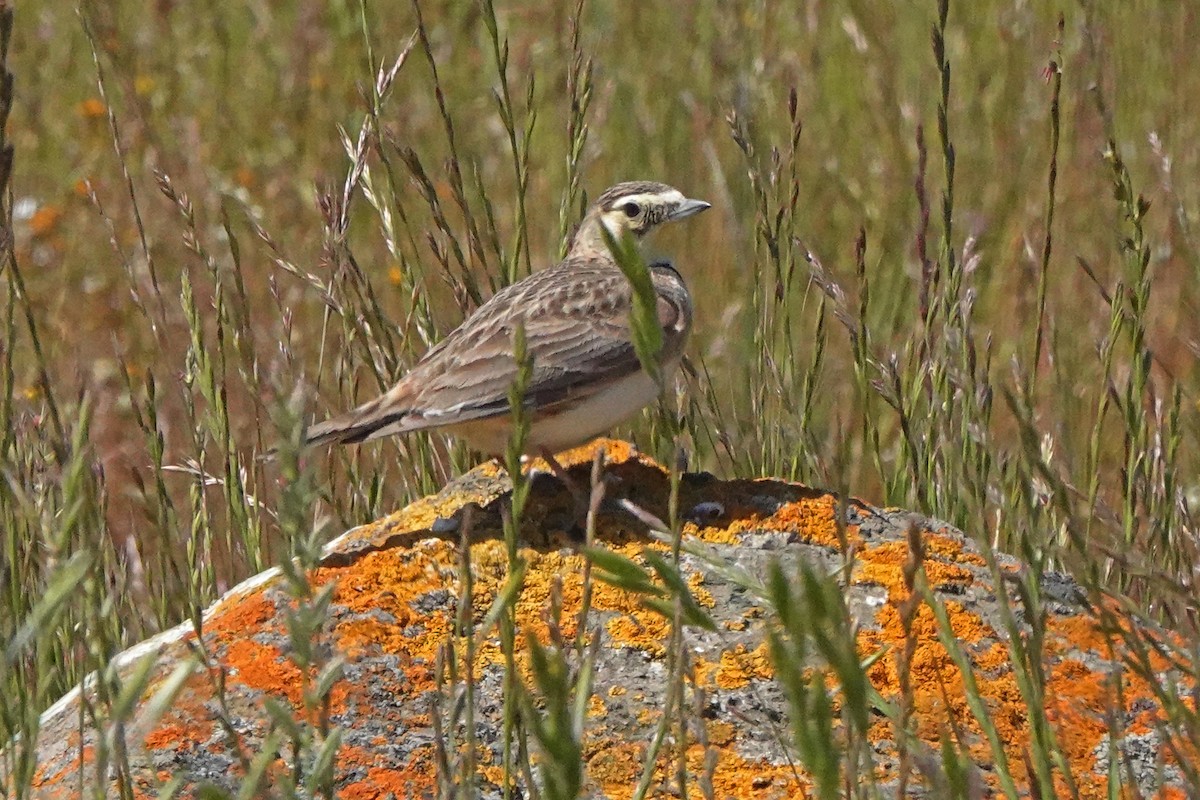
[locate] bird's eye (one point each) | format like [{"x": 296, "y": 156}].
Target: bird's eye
[{"x": 631, "y": 209}]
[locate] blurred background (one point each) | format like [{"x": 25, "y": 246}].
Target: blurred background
[{"x": 221, "y": 216}]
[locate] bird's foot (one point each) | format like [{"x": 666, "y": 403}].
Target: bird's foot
[{"x": 586, "y": 500}]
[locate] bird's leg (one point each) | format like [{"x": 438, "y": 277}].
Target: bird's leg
[
  {"x": 560, "y": 472},
  {"x": 581, "y": 497}
]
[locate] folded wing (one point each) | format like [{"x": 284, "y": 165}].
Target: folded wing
[{"x": 576, "y": 321}]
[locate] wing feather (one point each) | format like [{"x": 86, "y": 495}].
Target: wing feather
[{"x": 576, "y": 321}]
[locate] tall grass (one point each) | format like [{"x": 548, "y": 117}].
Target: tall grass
[{"x": 225, "y": 217}]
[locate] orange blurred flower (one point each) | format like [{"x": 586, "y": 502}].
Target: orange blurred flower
[
  {"x": 93, "y": 108},
  {"x": 45, "y": 220}
]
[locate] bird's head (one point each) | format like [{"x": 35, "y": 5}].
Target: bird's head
[{"x": 634, "y": 208}]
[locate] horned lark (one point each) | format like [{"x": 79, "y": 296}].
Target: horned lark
[{"x": 585, "y": 377}]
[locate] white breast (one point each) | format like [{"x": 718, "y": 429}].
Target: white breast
[{"x": 580, "y": 423}]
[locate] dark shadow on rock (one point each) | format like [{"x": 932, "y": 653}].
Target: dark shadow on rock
[{"x": 549, "y": 523}]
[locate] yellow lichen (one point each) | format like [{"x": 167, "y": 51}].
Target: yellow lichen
[
  {"x": 399, "y": 599},
  {"x": 596, "y": 707}
]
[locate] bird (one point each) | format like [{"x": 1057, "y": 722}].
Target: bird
[{"x": 585, "y": 374}]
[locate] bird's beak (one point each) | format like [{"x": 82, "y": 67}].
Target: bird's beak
[{"x": 687, "y": 208}]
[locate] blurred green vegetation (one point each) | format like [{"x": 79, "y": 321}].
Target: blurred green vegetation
[{"x": 190, "y": 265}]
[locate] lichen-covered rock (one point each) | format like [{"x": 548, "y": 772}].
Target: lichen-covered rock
[{"x": 394, "y": 607}]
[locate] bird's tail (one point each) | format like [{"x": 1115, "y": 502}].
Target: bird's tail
[{"x": 379, "y": 417}]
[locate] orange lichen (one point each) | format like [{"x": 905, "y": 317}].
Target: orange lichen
[
  {"x": 189, "y": 721},
  {"x": 493, "y": 774},
  {"x": 642, "y": 630},
  {"x": 648, "y": 717},
  {"x": 965, "y": 626},
  {"x": 1076, "y": 695},
  {"x": 941, "y": 545},
  {"x": 596, "y": 707},
  {"x": 939, "y": 695},
  {"x": 737, "y": 777},
  {"x": 72, "y": 768},
  {"x": 398, "y": 595},
  {"x": 167, "y": 736},
  {"x": 883, "y": 565},
  {"x": 712, "y": 535},
  {"x": 263, "y": 667},
  {"x": 389, "y": 582},
  {"x": 382, "y": 782},
  {"x": 416, "y": 777},
  {"x": 1073, "y": 708},
  {"x": 950, "y": 549},
  {"x": 266, "y": 669},
  {"x": 702, "y": 596},
  {"x": 736, "y": 668},
  {"x": 813, "y": 519},
  {"x": 617, "y": 767},
  {"x": 236, "y": 614},
  {"x": 614, "y": 764},
  {"x": 1103, "y": 635},
  {"x": 615, "y": 452},
  {"x": 720, "y": 733}
]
